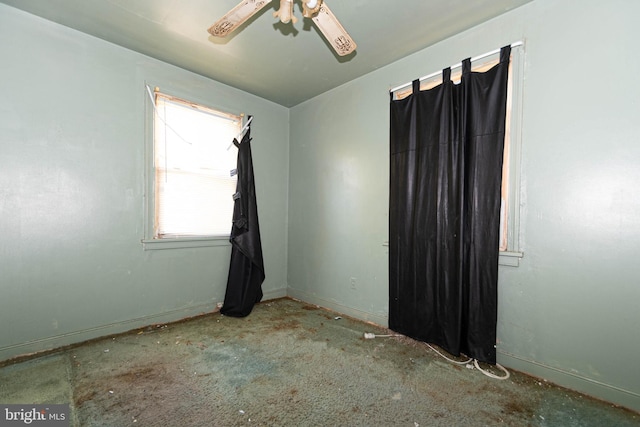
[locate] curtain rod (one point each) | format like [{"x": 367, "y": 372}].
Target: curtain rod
[{"x": 457, "y": 65}]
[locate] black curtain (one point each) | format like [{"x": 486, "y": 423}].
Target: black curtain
[
  {"x": 446, "y": 148},
  {"x": 246, "y": 270}
]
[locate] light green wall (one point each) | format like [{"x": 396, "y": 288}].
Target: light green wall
[
  {"x": 569, "y": 312},
  {"x": 72, "y": 138}
]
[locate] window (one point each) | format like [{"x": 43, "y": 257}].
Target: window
[
  {"x": 191, "y": 184},
  {"x": 509, "y": 210}
]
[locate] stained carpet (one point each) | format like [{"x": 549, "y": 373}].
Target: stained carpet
[{"x": 286, "y": 364}]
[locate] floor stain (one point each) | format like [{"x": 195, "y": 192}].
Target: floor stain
[{"x": 294, "y": 364}]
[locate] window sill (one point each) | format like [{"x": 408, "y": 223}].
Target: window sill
[
  {"x": 180, "y": 243},
  {"x": 511, "y": 259}
]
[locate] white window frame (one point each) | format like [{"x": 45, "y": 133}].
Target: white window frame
[
  {"x": 511, "y": 251},
  {"x": 150, "y": 240}
]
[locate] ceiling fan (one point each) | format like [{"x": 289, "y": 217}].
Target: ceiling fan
[{"x": 316, "y": 10}]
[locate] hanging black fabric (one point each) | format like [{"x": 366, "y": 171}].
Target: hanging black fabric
[
  {"x": 446, "y": 151},
  {"x": 246, "y": 270}
]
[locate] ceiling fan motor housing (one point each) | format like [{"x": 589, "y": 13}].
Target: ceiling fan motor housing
[{"x": 309, "y": 10}]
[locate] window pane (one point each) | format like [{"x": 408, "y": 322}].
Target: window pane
[
  {"x": 194, "y": 187},
  {"x": 194, "y": 204}
]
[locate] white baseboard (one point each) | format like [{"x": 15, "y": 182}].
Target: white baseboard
[{"x": 588, "y": 386}]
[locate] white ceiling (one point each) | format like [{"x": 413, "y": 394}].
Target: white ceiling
[{"x": 286, "y": 64}]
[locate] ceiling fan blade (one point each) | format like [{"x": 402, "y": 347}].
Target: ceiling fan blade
[
  {"x": 236, "y": 17},
  {"x": 333, "y": 31}
]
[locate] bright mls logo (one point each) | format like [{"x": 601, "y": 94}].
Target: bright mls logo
[{"x": 34, "y": 415}]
